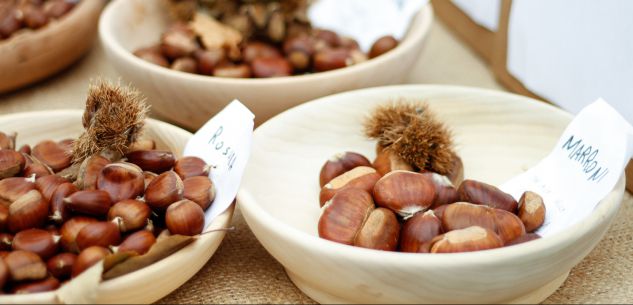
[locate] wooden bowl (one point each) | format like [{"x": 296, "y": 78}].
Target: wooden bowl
[
  {"x": 190, "y": 99},
  {"x": 32, "y": 55},
  {"x": 150, "y": 283},
  {"x": 498, "y": 136}
]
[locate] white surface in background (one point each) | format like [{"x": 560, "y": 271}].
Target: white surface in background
[
  {"x": 574, "y": 51},
  {"x": 224, "y": 142},
  {"x": 581, "y": 170},
  {"x": 365, "y": 20},
  {"x": 484, "y": 12}
]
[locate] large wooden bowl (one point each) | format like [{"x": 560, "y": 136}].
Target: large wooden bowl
[
  {"x": 32, "y": 55},
  {"x": 150, "y": 283},
  {"x": 499, "y": 135},
  {"x": 189, "y": 99}
]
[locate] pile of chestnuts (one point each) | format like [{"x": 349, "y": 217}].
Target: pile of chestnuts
[
  {"x": 387, "y": 206},
  {"x": 312, "y": 50},
  {"x": 52, "y": 229},
  {"x": 30, "y": 14}
]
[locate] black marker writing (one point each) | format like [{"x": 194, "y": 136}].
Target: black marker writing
[
  {"x": 216, "y": 142},
  {"x": 586, "y": 156}
]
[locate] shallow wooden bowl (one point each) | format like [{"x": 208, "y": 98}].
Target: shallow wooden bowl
[
  {"x": 32, "y": 55},
  {"x": 189, "y": 99},
  {"x": 150, "y": 283},
  {"x": 498, "y": 136}
]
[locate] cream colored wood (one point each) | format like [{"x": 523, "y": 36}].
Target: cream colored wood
[
  {"x": 498, "y": 135},
  {"x": 148, "y": 284},
  {"x": 190, "y": 99},
  {"x": 31, "y": 55}
]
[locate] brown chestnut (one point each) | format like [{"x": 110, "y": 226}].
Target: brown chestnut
[
  {"x": 523, "y": 239},
  {"x": 25, "y": 266},
  {"x": 481, "y": 193},
  {"x": 330, "y": 59},
  {"x": 139, "y": 242},
  {"x": 89, "y": 202},
  {"x": 185, "y": 217},
  {"x": 10, "y": 22},
  {"x": 13, "y": 188},
  {"x": 155, "y": 161},
  {"x": 232, "y": 71},
  {"x": 185, "y": 64},
  {"x": 207, "y": 60},
  {"x": 11, "y": 163},
  {"x": 89, "y": 171},
  {"x": 69, "y": 231},
  {"x": 387, "y": 161},
  {"x": 178, "y": 41},
  {"x": 200, "y": 190},
  {"x": 48, "y": 284},
  {"x": 418, "y": 232},
  {"x": 164, "y": 190},
  {"x": 191, "y": 166},
  {"x": 466, "y": 240},
  {"x": 58, "y": 8},
  {"x": 404, "y": 192},
  {"x": 339, "y": 164},
  {"x": 4, "y": 273},
  {"x": 38, "y": 241},
  {"x": 52, "y": 154},
  {"x": 256, "y": 50},
  {"x": 130, "y": 214},
  {"x": 61, "y": 265},
  {"x": 4, "y": 218},
  {"x": 25, "y": 149},
  {"x": 507, "y": 225},
  {"x": 531, "y": 211},
  {"x": 381, "y": 231},
  {"x": 461, "y": 215},
  {"x": 152, "y": 54},
  {"x": 103, "y": 234},
  {"x": 59, "y": 211},
  {"x": 383, "y": 45},
  {"x": 33, "y": 16},
  {"x": 121, "y": 180},
  {"x": 271, "y": 67},
  {"x": 48, "y": 184},
  {"x": 362, "y": 177},
  {"x": 29, "y": 211},
  {"x": 343, "y": 216},
  {"x": 88, "y": 258},
  {"x": 446, "y": 192}
]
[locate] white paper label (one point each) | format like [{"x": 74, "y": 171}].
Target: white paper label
[
  {"x": 365, "y": 20},
  {"x": 583, "y": 167},
  {"x": 224, "y": 142}
]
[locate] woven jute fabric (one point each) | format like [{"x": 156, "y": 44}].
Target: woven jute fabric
[{"x": 241, "y": 271}]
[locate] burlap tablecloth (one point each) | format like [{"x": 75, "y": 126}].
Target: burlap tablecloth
[{"x": 241, "y": 271}]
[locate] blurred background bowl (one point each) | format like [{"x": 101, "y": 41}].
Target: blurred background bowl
[
  {"x": 153, "y": 282},
  {"x": 190, "y": 99},
  {"x": 32, "y": 55},
  {"x": 498, "y": 136}
]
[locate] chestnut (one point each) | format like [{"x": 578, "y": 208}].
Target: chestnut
[
  {"x": 103, "y": 234},
  {"x": 200, "y": 190},
  {"x": 48, "y": 184},
  {"x": 10, "y": 22},
  {"x": 58, "y": 8},
  {"x": 299, "y": 50},
  {"x": 11, "y": 163},
  {"x": 48, "y": 284},
  {"x": 155, "y": 161},
  {"x": 139, "y": 242},
  {"x": 13, "y": 188},
  {"x": 339, "y": 164},
  {"x": 404, "y": 192},
  {"x": 531, "y": 211},
  {"x": 4, "y": 218},
  {"x": 462, "y": 215},
  {"x": 29, "y": 211},
  {"x": 89, "y": 202},
  {"x": 456, "y": 172},
  {"x": 36, "y": 169},
  {"x": 6, "y": 240},
  {"x": 59, "y": 211},
  {"x": 88, "y": 258},
  {"x": 330, "y": 59},
  {"x": 61, "y": 265},
  {"x": 507, "y": 225},
  {"x": 89, "y": 171},
  {"x": 387, "y": 161},
  {"x": 38, "y": 241},
  {"x": 418, "y": 232},
  {"x": 207, "y": 60},
  {"x": 446, "y": 192},
  {"x": 184, "y": 217},
  {"x": 152, "y": 54},
  {"x": 178, "y": 41},
  {"x": 25, "y": 149},
  {"x": 25, "y": 265},
  {"x": 383, "y": 45},
  {"x": 523, "y": 239},
  {"x": 481, "y": 193},
  {"x": 121, "y": 180},
  {"x": 52, "y": 154},
  {"x": 191, "y": 166},
  {"x": 148, "y": 177},
  {"x": 33, "y": 16},
  {"x": 256, "y": 50},
  {"x": 271, "y": 67},
  {"x": 381, "y": 231},
  {"x": 4, "y": 273},
  {"x": 362, "y": 177},
  {"x": 466, "y": 240},
  {"x": 130, "y": 214},
  {"x": 343, "y": 216},
  {"x": 232, "y": 71},
  {"x": 164, "y": 190},
  {"x": 330, "y": 38},
  {"x": 70, "y": 229}
]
